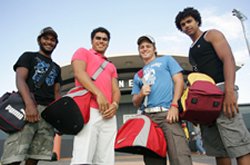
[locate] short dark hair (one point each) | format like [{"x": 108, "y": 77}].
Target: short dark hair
[
  {"x": 100, "y": 29},
  {"x": 189, "y": 11}
]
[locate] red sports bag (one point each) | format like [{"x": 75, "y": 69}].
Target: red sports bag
[
  {"x": 202, "y": 100},
  {"x": 69, "y": 113},
  {"x": 140, "y": 135}
]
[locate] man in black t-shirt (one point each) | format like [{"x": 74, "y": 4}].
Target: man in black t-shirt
[{"x": 35, "y": 141}]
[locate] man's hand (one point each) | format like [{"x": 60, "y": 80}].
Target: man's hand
[
  {"x": 230, "y": 106},
  {"x": 111, "y": 111},
  {"x": 145, "y": 90},
  {"x": 173, "y": 115},
  {"x": 102, "y": 103},
  {"x": 31, "y": 113}
]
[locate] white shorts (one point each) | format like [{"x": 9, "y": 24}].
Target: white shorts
[{"x": 94, "y": 144}]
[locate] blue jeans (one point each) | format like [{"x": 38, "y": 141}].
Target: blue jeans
[{"x": 199, "y": 145}]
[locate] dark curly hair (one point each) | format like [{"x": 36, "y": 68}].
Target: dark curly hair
[{"x": 189, "y": 11}]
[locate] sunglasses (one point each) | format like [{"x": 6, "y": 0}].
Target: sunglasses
[{"x": 101, "y": 38}]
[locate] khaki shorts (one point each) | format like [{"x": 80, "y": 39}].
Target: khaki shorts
[
  {"x": 226, "y": 137},
  {"x": 177, "y": 145},
  {"x": 35, "y": 141}
]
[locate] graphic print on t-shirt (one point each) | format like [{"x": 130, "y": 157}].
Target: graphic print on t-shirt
[
  {"x": 50, "y": 79},
  {"x": 149, "y": 76},
  {"x": 40, "y": 69},
  {"x": 150, "y": 73}
]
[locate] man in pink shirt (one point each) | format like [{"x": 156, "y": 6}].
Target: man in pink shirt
[{"x": 94, "y": 144}]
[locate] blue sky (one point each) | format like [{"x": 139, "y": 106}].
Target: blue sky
[{"x": 22, "y": 20}]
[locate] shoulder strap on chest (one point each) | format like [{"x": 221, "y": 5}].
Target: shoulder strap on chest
[
  {"x": 140, "y": 73},
  {"x": 99, "y": 70}
]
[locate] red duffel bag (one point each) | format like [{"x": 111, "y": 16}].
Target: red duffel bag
[
  {"x": 140, "y": 135},
  {"x": 202, "y": 100},
  {"x": 69, "y": 113}
]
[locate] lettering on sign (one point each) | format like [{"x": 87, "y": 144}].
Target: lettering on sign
[{"x": 125, "y": 83}]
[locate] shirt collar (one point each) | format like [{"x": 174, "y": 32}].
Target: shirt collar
[{"x": 98, "y": 54}]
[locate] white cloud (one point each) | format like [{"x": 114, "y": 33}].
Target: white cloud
[
  {"x": 176, "y": 43},
  {"x": 231, "y": 27},
  {"x": 240, "y": 56},
  {"x": 226, "y": 23}
]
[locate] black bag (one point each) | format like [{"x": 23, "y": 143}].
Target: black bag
[
  {"x": 64, "y": 115},
  {"x": 69, "y": 113},
  {"x": 12, "y": 114}
]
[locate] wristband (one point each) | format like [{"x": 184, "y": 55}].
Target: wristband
[{"x": 174, "y": 105}]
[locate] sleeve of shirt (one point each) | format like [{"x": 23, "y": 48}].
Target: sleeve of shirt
[
  {"x": 174, "y": 66},
  {"x": 23, "y": 61},
  {"x": 136, "y": 85},
  {"x": 114, "y": 73},
  {"x": 81, "y": 54}
]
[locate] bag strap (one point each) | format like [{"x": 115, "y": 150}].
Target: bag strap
[
  {"x": 140, "y": 75},
  {"x": 93, "y": 77},
  {"x": 39, "y": 84},
  {"x": 77, "y": 93},
  {"x": 99, "y": 70}
]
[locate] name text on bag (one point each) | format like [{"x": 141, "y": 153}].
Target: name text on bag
[{"x": 16, "y": 113}]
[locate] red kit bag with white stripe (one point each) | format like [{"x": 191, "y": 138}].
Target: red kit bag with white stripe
[
  {"x": 202, "y": 100},
  {"x": 140, "y": 135}
]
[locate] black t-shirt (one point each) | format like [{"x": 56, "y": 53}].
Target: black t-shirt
[{"x": 37, "y": 65}]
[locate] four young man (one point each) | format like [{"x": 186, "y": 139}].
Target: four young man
[{"x": 156, "y": 94}]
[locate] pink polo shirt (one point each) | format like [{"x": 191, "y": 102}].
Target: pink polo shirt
[{"x": 104, "y": 80}]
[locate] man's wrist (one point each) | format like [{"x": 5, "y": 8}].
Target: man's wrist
[
  {"x": 115, "y": 104},
  {"x": 174, "y": 105}
]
